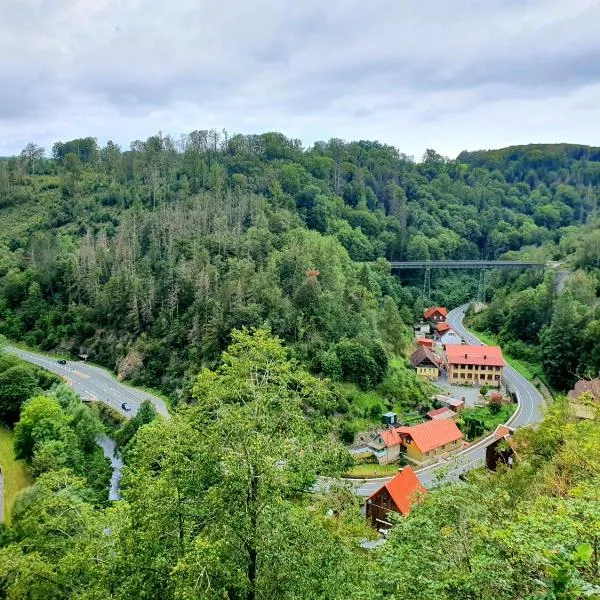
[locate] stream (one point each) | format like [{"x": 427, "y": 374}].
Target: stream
[{"x": 116, "y": 462}]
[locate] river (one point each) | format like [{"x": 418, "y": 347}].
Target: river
[{"x": 116, "y": 462}]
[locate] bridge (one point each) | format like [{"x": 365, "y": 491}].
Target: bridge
[
  {"x": 466, "y": 264},
  {"x": 483, "y": 266}
]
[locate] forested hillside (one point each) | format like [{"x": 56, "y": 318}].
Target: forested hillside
[{"x": 147, "y": 258}]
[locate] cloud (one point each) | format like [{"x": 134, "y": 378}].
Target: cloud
[{"x": 404, "y": 72}]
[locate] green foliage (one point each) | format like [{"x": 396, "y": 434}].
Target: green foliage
[{"x": 17, "y": 384}]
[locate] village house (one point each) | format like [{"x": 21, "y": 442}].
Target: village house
[
  {"x": 450, "y": 337},
  {"x": 454, "y": 404},
  {"x": 428, "y": 440},
  {"x": 425, "y": 342},
  {"x": 474, "y": 365},
  {"x": 426, "y": 363},
  {"x": 441, "y": 328},
  {"x": 502, "y": 449},
  {"x": 397, "y": 495},
  {"x": 441, "y": 413},
  {"x": 435, "y": 313}
]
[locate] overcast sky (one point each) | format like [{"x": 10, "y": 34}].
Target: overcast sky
[{"x": 443, "y": 74}]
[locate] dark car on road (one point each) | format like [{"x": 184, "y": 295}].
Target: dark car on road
[
  {"x": 62, "y": 361},
  {"x": 125, "y": 406}
]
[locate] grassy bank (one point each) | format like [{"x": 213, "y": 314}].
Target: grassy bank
[
  {"x": 16, "y": 475},
  {"x": 527, "y": 369},
  {"x": 368, "y": 470}
]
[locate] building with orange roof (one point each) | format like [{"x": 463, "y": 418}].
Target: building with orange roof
[
  {"x": 441, "y": 413},
  {"x": 426, "y": 362},
  {"x": 502, "y": 450},
  {"x": 425, "y": 342},
  {"x": 442, "y": 327},
  {"x": 427, "y": 440},
  {"x": 397, "y": 495},
  {"x": 435, "y": 313},
  {"x": 474, "y": 365}
]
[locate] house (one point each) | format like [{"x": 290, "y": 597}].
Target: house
[
  {"x": 502, "y": 449},
  {"x": 450, "y": 337},
  {"x": 474, "y": 365},
  {"x": 435, "y": 313},
  {"x": 386, "y": 446},
  {"x": 397, "y": 495},
  {"x": 422, "y": 329},
  {"x": 425, "y": 342},
  {"x": 441, "y": 413},
  {"x": 453, "y": 404},
  {"x": 442, "y": 327},
  {"x": 430, "y": 439},
  {"x": 426, "y": 363}
]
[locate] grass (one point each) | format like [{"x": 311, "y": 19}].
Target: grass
[
  {"x": 367, "y": 470},
  {"x": 491, "y": 420},
  {"x": 16, "y": 475},
  {"x": 528, "y": 369}
]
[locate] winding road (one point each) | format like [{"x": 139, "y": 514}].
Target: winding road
[
  {"x": 93, "y": 383},
  {"x": 529, "y": 411}
]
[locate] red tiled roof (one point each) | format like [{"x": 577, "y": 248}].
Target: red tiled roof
[
  {"x": 475, "y": 355},
  {"x": 441, "y": 327},
  {"x": 441, "y": 413},
  {"x": 432, "y": 434},
  {"x": 502, "y": 431},
  {"x": 422, "y": 341},
  {"x": 429, "y": 312},
  {"x": 404, "y": 488},
  {"x": 390, "y": 437}
]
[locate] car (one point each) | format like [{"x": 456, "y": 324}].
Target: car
[
  {"x": 62, "y": 361},
  {"x": 125, "y": 406}
]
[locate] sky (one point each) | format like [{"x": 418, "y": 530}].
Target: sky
[{"x": 444, "y": 74}]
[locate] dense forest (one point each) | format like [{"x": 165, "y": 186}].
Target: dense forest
[
  {"x": 249, "y": 278},
  {"x": 147, "y": 258}
]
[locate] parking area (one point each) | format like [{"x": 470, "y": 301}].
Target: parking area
[{"x": 469, "y": 393}]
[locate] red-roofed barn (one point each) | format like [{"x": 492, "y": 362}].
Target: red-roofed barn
[{"x": 397, "y": 495}]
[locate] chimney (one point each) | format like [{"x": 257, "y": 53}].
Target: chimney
[
  {"x": 466, "y": 355},
  {"x": 485, "y": 356}
]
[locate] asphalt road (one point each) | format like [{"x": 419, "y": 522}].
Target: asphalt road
[
  {"x": 93, "y": 383},
  {"x": 529, "y": 411}
]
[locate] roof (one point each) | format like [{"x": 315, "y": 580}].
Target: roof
[
  {"x": 421, "y": 355},
  {"x": 441, "y": 327},
  {"x": 390, "y": 438},
  {"x": 390, "y": 414},
  {"x": 450, "y": 401},
  {"x": 423, "y": 341},
  {"x": 441, "y": 413},
  {"x": 584, "y": 386},
  {"x": 432, "y": 434},
  {"x": 403, "y": 489},
  {"x": 502, "y": 431},
  {"x": 448, "y": 336},
  {"x": 429, "y": 312},
  {"x": 475, "y": 355}
]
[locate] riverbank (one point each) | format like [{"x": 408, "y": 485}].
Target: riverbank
[{"x": 15, "y": 474}]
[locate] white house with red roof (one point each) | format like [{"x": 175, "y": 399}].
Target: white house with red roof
[{"x": 435, "y": 313}]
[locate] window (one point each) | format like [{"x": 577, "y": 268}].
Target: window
[
  {"x": 470, "y": 367},
  {"x": 489, "y": 377},
  {"x": 454, "y": 442},
  {"x": 497, "y": 377}
]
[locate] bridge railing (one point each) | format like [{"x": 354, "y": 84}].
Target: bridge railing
[{"x": 466, "y": 264}]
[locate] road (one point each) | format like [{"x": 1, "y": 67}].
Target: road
[
  {"x": 93, "y": 383},
  {"x": 529, "y": 411}
]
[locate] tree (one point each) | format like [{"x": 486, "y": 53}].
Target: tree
[
  {"x": 393, "y": 330},
  {"x": 561, "y": 341},
  {"x": 31, "y": 155},
  {"x": 17, "y": 384}
]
